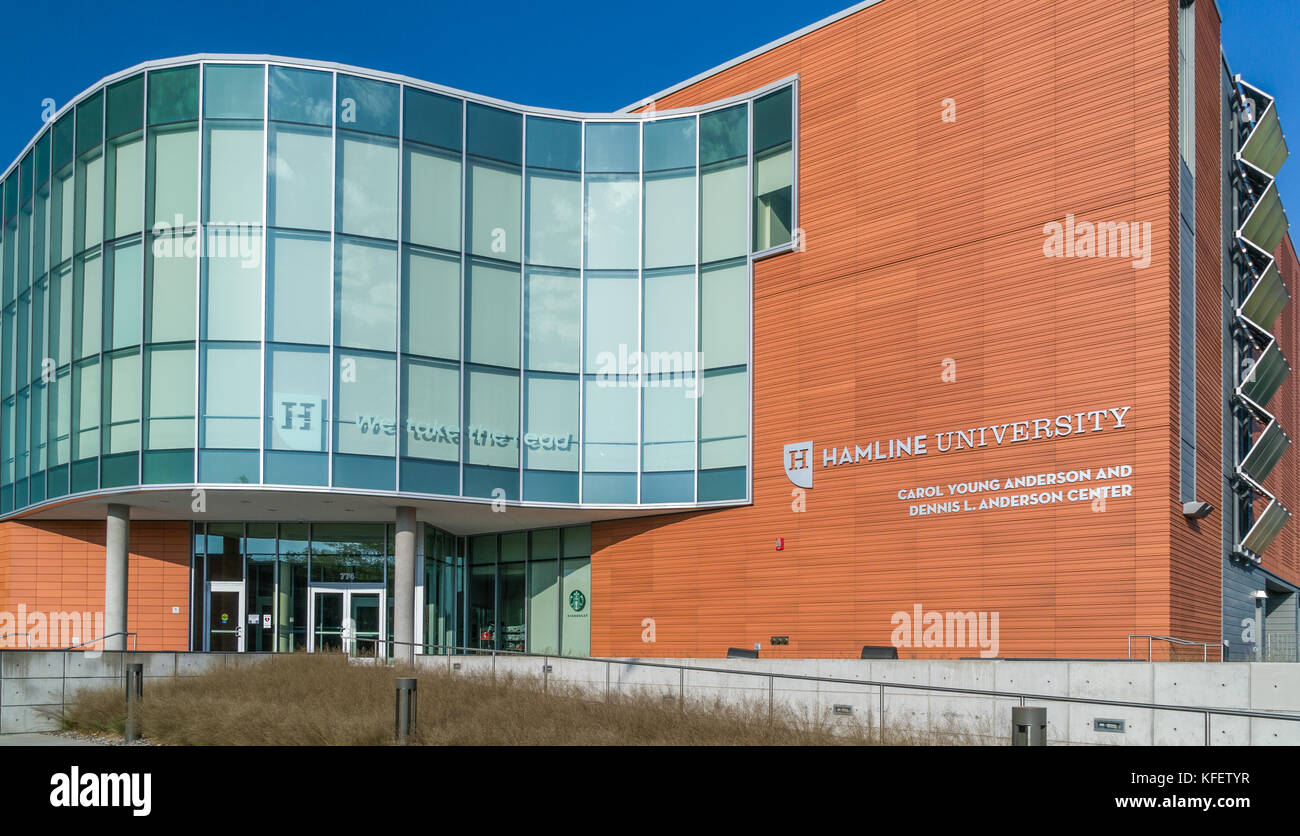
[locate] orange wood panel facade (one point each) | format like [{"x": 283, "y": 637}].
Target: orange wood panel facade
[
  {"x": 58, "y": 567},
  {"x": 924, "y": 243}
]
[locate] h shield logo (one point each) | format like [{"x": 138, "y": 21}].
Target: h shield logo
[{"x": 798, "y": 463}]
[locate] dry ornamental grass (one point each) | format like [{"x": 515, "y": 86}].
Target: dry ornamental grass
[{"x": 322, "y": 699}]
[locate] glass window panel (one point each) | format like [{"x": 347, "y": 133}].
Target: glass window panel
[
  {"x": 299, "y": 162},
  {"x": 367, "y": 105},
  {"x": 550, "y": 422},
  {"x": 611, "y": 314},
  {"x": 493, "y": 133},
  {"x": 43, "y": 158},
  {"x": 173, "y": 95},
  {"x": 40, "y": 396},
  {"x": 613, "y": 146},
  {"x": 724, "y": 193},
  {"x": 366, "y": 309},
  {"x": 554, "y": 144},
  {"x": 62, "y": 149},
  {"x": 551, "y": 323},
  {"x": 366, "y": 387},
  {"x": 40, "y": 223},
  {"x": 575, "y": 632},
  {"x": 232, "y": 287},
  {"x": 773, "y": 198},
  {"x": 668, "y": 425},
  {"x": 492, "y": 315},
  {"x": 367, "y": 186},
  {"x": 231, "y": 400},
  {"x": 233, "y": 91},
  {"x": 298, "y": 388},
  {"x": 554, "y": 218},
  {"x": 122, "y": 403},
  {"x": 299, "y": 282},
  {"x": 301, "y": 95},
  {"x": 61, "y": 315},
  {"x": 612, "y": 221},
  {"x": 669, "y": 312},
  {"x": 431, "y": 190},
  {"x": 172, "y": 280},
  {"x": 669, "y": 143},
  {"x": 169, "y": 380},
  {"x": 90, "y": 202},
  {"x": 61, "y": 216},
  {"x": 724, "y": 419},
  {"x": 610, "y": 426},
  {"x": 431, "y": 406},
  {"x": 724, "y": 315},
  {"x": 493, "y": 207},
  {"x": 543, "y": 607},
  {"x": 90, "y": 123},
  {"x": 123, "y": 319},
  {"x": 491, "y": 417},
  {"x": 670, "y": 219},
  {"x": 61, "y": 418},
  {"x": 431, "y": 304},
  {"x": 40, "y": 343},
  {"x": 432, "y": 119},
  {"x": 773, "y": 115},
  {"x": 125, "y": 106},
  {"x": 85, "y": 407},
  {"x": 173, "y": 198},
  {"x": 723, "y": 134},
  {"x": 126, "y": 187},
  {"x": 89, "y": 304},
  {"x": 232, "y": 159}
]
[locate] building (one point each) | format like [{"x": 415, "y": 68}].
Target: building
[{"x": 962, "y": 329}]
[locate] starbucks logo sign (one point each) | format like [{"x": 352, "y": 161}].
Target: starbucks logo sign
[{"x": 577, "y": 601}]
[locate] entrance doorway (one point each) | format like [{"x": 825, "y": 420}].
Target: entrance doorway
[
  {"x": 226, "y": 616},
  {"x": 348, "y": 618}
]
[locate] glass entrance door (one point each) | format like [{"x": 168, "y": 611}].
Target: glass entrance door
[
  {"x": 327, "y": 621},
  {"x": 347, "y": 618},
  {"x": 226, "y": 616},
  {"x": 364, "y": 636}
]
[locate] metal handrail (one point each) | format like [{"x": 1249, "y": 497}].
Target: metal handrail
[
  {"x": 133, "y": 636},
  {"x": 27, "y": 636},
  {"x": 771, "y": 676},
  {"x": 1205, "y": 646}
]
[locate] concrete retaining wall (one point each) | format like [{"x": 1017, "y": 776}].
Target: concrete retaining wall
[
  {"x": 35, "y": 685},
  {"x": 1273, "y": 687}
]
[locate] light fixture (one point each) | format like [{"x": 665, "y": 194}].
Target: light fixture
[{"x": 1197, "y": 510}]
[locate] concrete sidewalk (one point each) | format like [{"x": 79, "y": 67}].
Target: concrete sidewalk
[{"x": 44, "y": 740}]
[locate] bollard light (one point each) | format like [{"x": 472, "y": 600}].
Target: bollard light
[
  {"x": 134, "y": 692},
  {"x": 1028, "y": 726},
  {"x": 404, "y": 721}
]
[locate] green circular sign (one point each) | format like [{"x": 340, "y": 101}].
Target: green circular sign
[{"x": 577, "y": 601}]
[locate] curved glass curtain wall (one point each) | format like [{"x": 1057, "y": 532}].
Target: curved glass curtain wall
[{"x": 242, "y": 273}]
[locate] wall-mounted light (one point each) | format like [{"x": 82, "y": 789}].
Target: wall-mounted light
[{"x": 1197, "y": 510}]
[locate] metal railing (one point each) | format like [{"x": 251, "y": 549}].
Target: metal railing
[
  {"x": 102, "y": 638},
  {"x": 1205, "y": 647},
  {"x": 1281, "y": 646},
  {"x": 453, "y": 651},
  {"x": 28, "y": 636}
]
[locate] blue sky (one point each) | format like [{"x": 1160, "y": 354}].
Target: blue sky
[{"x": 572, "y": 54}]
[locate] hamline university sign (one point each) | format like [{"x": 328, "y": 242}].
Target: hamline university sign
[{"x": 798, "y": 457}]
